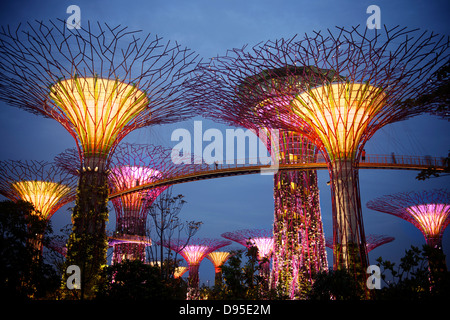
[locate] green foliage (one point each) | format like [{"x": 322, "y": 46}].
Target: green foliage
[
  {"x": 412, "y": 279},
  {"x": 23, "y": 272},
  {"x": 241, "y": 279},
  {"x": 336, "y": 285},
  {"x": 134, "y": 280},
  {"x": 87, "y": 243}
]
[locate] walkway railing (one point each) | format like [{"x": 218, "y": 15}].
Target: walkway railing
[{"x": 251, "y": 166}]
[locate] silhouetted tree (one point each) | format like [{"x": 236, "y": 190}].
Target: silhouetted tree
[
  {"x": 134, "y": 280},
  {"x": 23, "y": 272}
]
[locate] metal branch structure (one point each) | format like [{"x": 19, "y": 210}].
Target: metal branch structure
[
  {"x": 337, "y": 88},
  {"x": 372, "y": 241},
  {"x": 43, "y": 184},
  {"x": 194, "y": 251},
  {"x": 133, "y": 165},
  {"x": 299, "y": 242},
  {"x": 262, "y": 239},
  {"x": 100, "y": 83},
  {"x": 218, "y": 259},
  {"x": 428, "y": 211}
]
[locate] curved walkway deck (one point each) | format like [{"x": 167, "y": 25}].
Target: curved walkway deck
[{"x": 373, "y": 161}]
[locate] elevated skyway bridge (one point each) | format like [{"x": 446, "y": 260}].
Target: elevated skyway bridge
[{"x": 202, "y": 172}]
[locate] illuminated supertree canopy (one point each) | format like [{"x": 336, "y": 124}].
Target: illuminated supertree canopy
[
  {"x": 133, "y": 165},
  {"x": 194, "y": 251},
  {"x": 337, "y": 88},
  {"x": 428, "y": 211},
  {"x": 100, "y": 83},
  {"x": 299, "y": 244},
  {"x": 40, "y": 183},
  {"x": 218, "y": 258}
]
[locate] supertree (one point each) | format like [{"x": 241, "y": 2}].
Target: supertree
[
  {"x": 262, "y": 239},
  {"x": 40, "y": 183},
  {"x": 100, "y": 83},
  {"x": 429, "y": 211},
  {"x": 218, "y": 259},
  {"x": 372, "y": 241},
  {"x": 194, "y": 251},
  {"x": 133, "y": 165},
  {"x": 299, "y": 243},
  {"x": 339, "y": 88}
]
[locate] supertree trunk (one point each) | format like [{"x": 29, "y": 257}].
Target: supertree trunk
[
  {"x": 193, "y": 275},
  {"x": 218, "y": 276},
  {"x": 348, "y": 229},
  {"x": 88, "y": 244},
  {"x": 299, "y": 244},
  {"x": 131, "y": 224},
  {"x": 436, "y": 257}
]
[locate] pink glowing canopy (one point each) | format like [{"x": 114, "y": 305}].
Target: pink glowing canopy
[
  {"x": 264, "y": 245},
  {"x": 126, "y": 177},
  {"x": 260, "y": 238},
  {"x": 430, "y": 218},
  {"x": 194, "y": 250},
  {"x": 428, "y": 210}
]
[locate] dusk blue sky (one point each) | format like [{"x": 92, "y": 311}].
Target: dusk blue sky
[{"x": 209, "y": 28}]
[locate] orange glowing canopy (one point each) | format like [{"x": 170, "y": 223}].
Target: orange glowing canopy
[
  {"x": 98, "y": 109},
  {"x": 47, "y": 197},
  {"x": 218, "y": 258},
  {"x": 179, "y": 271},
  {"x": 339, "y": 113},
  {"x": 126, "y": 177}
]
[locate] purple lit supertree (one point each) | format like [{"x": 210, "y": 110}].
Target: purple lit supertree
[
  {"x": 372, "y": 241},
  {"x": 194, "y": 251},
  {"x": 133, "y": 165},
  {"x": 337, "y": 88},
  {"x": 40, "y": 183},
  {"x": 262, "y": 239},
  {"x": 100, "y": 83},
  {"x": 429, "y": 211}
]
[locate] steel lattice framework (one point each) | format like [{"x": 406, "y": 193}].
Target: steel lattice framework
[
  {"x": 428, "y": 211},
  {"x": 299, "y": 242},
  {"x": 99, "y": 83},
  {"x": 194, "y": 251},
  {"x": 133, "y": 165},
  {"x": 337, "y": 88},
  {"x": 43, "y": 184}
]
